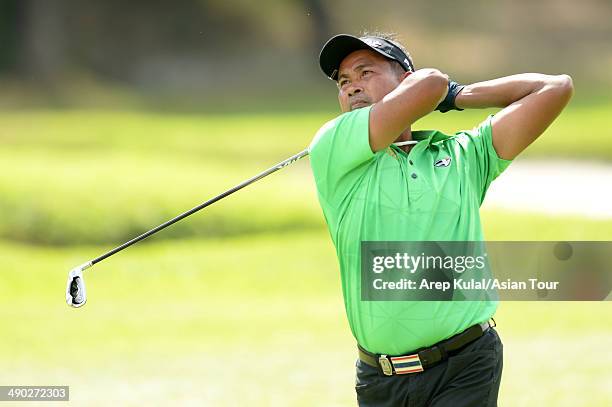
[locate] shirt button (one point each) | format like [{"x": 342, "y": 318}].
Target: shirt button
[
  {"x": 410, "y": 161},
  {"x": 413, "y": 175}
]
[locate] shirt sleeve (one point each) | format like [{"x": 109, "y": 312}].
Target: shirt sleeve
[
  {"x": 484, "y": 163},
  {"x": 340, "y": 152}
]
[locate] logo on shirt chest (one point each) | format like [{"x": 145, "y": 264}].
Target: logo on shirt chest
[{"x": 444, "y": 162}]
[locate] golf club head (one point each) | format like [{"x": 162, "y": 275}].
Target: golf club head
[{"x": 76, "y": 295}]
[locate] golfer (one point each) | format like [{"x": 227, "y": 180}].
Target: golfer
[{"x": 379, "y": 180}]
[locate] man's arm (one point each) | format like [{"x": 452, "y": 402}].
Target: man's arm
[
  {"x": 417, "y": 95},
  {"x": 531, "y": 101}
]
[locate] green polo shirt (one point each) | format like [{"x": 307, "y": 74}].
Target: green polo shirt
[{"x": 394, "y": 196}]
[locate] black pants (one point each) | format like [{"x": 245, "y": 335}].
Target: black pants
[{"x": 469, "y": 378}]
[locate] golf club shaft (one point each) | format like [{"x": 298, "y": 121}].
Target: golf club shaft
[{"x": 211, "y": 201}]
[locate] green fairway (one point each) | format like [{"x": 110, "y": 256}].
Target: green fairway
[
  {"x": 240, "y": 305},
  {"x": 174, "y": 322},
  {"x": 66, "y": 174}
]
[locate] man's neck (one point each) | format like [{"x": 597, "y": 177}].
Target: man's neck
[{"x": 405, "y": 136}]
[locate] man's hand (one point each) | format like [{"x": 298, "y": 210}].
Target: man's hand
[{"x": 531, "y": 101}]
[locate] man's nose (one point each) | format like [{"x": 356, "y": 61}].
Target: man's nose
[{"x": 355, "y": 89}]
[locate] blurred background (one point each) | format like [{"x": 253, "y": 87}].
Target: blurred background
[{"x": 115, "y": 116}]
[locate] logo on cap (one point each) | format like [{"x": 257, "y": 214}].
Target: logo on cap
[{"x": 373, "y": 42}]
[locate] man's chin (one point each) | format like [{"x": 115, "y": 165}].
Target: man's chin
[{"x": 359, "y": 105}]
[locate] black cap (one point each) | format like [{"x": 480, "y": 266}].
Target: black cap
[{"x": 339, "y": 46}]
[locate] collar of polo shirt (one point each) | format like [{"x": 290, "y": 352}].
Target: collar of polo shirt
[{"x": 432, "y": 136}]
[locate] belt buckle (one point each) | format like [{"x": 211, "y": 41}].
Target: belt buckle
[
  {"x": 407, "y": 364},
  {"x": 385, "y": 365}
]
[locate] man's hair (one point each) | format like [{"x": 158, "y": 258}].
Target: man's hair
[{"x": 392, "y": 38}]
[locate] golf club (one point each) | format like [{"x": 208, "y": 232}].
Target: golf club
[{"x": 75, "y": 287}]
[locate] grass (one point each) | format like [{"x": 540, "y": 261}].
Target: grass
[
  {"x": 581, "y": 132},
  {"x": 118, "y": 173},
  {"x": 182, "y": 322},
  {"x": 241, "y": 306}
]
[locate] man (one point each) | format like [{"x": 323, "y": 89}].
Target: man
[{"x": 377, "y": 180}]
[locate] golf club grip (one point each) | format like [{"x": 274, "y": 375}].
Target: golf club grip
[{"x": 211, "y": 201}]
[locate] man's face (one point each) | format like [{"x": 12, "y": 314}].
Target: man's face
[{"x": 364, "y": 78}]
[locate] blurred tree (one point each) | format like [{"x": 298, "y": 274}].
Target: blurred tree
[
  {"x": 42, "y": 39},
  {"x": 153, "y": 43},
  {"x": 320, "y": 23},
  {"x": 10, "y": 21}
]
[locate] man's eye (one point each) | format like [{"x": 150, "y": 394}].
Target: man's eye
[
  {"x": 364, "y": 73},
  {"x": 343, "y": 83}
]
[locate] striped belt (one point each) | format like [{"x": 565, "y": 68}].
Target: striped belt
[{"x": 427, "y": 357}]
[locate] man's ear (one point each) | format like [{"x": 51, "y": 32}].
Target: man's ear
[{"x": 406, "y": 74}]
